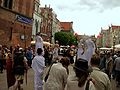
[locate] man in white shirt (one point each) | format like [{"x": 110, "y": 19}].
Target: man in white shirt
[{"x": 38, "y": 65}]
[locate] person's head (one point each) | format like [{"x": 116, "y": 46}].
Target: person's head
[
  {"x": 115, "y": 56},
  {"x": 8, "y": 51},
  {"x": 118, "y": 54},
  {"x": 95, "y": 60},
  {"x": 108, "y": 54},
  {"x": 18, "y": 45},
  {"x": 65, "y": 61},
  {"x": 38, "y": 33},
  {"x": 101, "y": 54},
  {"x": 39, "y": 51},
  {"x": 81, "y": 70},
  {"x": 21, "y": 50},
  {"x": 56, "y": 45}
]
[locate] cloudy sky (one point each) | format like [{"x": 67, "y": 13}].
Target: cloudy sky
[{"x": 88, "y": 16}]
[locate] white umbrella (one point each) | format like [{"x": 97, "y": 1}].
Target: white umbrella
[
  {"x": 117, "y": 46},
  {"x": 44, "y": 42},
  {"x": 104, "y": 48}
]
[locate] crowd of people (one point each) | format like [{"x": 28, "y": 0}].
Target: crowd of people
[{"x": 91, "y": 69}]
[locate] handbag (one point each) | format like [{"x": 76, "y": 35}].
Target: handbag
[{"x": 46, "y": 77}]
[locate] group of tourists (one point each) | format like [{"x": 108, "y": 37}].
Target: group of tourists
[
  {"x": 89, "y": 70},
  {"x": 110, "y": 64},
  {"x": 84, "y": 75}
]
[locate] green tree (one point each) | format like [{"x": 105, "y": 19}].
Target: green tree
[{"x": 65, "y": 38}]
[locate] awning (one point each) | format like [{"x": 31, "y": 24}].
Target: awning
[
  {"x": 44, "y": 42},
  {"x": 104, "y": 48},
  {"x": 117, "y": 46},
  {"x": 43, "y": 34},
  {"x": 32, "y": 42}
]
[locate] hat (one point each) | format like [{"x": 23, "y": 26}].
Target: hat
[
  {"x": 115, "y": 56},
  {"x": 21, "y": 49},
  {"x": 82, "y": 65}
]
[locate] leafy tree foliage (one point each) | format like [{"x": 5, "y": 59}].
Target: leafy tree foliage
[{"x": 65, "y": 38}]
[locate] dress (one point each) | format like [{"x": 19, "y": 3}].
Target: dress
[
  {"x": 38, "y": 65},
  {"x": 9, "y": 70},
  {"x": 57, "y": 78}
]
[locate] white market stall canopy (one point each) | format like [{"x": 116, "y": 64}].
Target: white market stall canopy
[
  {"x": 45, "y": 43},
  {"x": 104, "y": 48},
  {"x": 117, "y": 46}
]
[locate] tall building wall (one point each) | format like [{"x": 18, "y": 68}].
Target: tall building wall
[
  {"x": 16, "y": 22},
  {"x": 24, "y": 7},
  {"x": 46, "y": 23}
]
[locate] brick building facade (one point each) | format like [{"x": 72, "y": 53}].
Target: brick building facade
[
  {"x": 67, "y": 27},
  {"x": 16, "y": 22},
  {"x": 46, "y": 23}
]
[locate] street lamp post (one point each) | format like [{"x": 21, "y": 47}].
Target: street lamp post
[
  {"x": 114, "y": 44},
  {"x": 24, "y": 37}
]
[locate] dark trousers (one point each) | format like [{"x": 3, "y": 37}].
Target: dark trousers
[
  {"x": 71, "y": 59},
  {"x": 107, "y": 72},
  {"x": 1, "y": 66},
  {"x": 29, "y": 62},
  {"x": 118, "y": 76}
]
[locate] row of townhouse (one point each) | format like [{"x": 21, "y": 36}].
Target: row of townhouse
[
  {"x": 109, "y": 37},
  {"x": 20, "y": 20},
  {"x": 47, "y": 23}
]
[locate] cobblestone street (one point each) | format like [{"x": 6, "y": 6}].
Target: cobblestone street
[
  {"x": 30, "y": 82},
  {"x": 29, "y": 86}
]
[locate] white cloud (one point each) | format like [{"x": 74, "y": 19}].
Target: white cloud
[
  {"x": 88, "y": 16},
  {"x": 101, "y": 4}
]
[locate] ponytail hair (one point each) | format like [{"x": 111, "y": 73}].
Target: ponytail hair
[{"x": 82, "y": 77}]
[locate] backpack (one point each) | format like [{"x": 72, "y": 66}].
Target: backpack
[{"x": 19, "y": 64}]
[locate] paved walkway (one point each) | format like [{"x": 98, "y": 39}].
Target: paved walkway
[
  {"x": 30, "y": 83},
  {"x": 29, "y": 86}
]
